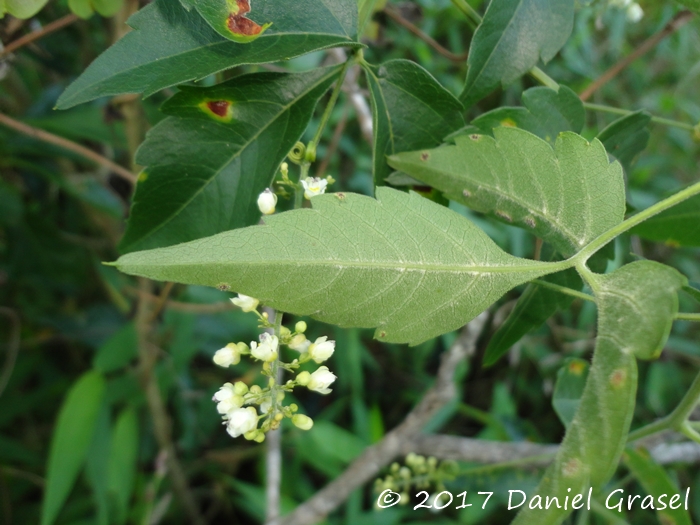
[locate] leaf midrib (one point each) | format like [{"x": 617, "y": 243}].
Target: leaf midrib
[{"x": 284, "y": 109}]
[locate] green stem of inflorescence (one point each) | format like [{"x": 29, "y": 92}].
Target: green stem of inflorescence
[
  {"x": 275, "y": 365},
  {"x": 625, "y": 112}
]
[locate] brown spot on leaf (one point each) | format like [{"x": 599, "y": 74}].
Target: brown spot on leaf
[
  {"x": 571, "y": 468},
  {"x": 577, "y": 368},
  {"x": 224, "y": 287},
  {"x": 475, "y": 136},
  {"x": 340, "y": 196},
  {"x": 382, "y": 334},
  {"x": 424, "y": 156},
  {"x": 467, "y": 193},
  {"x": 530, "y": 222},
  {"x": 239, "y": 24},
  {"x": 618, "y": 378},
  {"x": 503, "y": 215},
  {"x": 220, "y": 108}
]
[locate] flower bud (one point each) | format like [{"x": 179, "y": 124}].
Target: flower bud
[
  {"x": 284, "y": 332},
  {"x": 635, "y": 13},
  {"x": 227, "y": 356},
  {"x": 300, "y": 327},
  {"x": 240, "y": 388},
  {"x": 255, "y": 389},
  {"x": 322, "y": 349},
  {"x": 303, "y": 378},
  {"x": 303, "y": 422},
  {"x": 267, "y": 202},
  {"x": 260, "y": 437},
  {"x": 246, "y": 303},
  {"x": 320, "y": 380},
  {"x": 299, "y": 343}
]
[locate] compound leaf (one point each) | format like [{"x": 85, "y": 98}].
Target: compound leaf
[
  {"x": 410, "y": 109},
  {"x": 170, "y": 45},
  {"x": 402, "y": 263},
  {"x": 567, "y": 195},
  {"x": 677, "y": 226},
  {"x": 206, "y": 164},
  {"x": 510, "y": 40}
]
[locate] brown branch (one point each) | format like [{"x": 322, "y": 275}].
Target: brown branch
[
  {"x": 41, "y": 33},
  {"x": 190, "y": 308},
  {"x": 162, "y": 426},
  {"x": 395, "y": 15},
  {"x": 87, "y": 153},
  {"x": 374, "y": 458},
  {"x": 162, "y": 300},
  {"x": 12, "y": 347},
  {"x": 674, "y": 25}
]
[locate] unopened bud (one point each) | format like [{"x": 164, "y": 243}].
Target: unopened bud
[
  {"x": 240, "y": 388},
  {"x": 300, "y": 327},
  {"x": 303, "y": 422},
  {"x": 267, "y": 202},
  {"x": 303, "y": 378}
]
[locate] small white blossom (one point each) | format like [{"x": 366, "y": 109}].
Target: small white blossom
[
  {"x": 322, "y": 349},
  {"x": 245, "y": 303},
  {"x": 314, "y": 186},
  {"x": 320, "y": 380},
  {"x": 635, "y": 13},
  {"x": 227, "y": 356},
  {"x": 267, "y": 202},
  {"x": 242, "y": 421},
  {"x": 267, "y": 349},
  {"x": 303, "y": 422},
  {"x": 299, "y": 343},
  {"x": 227, "y": 399},
  {"x": 265, "y": 406}
]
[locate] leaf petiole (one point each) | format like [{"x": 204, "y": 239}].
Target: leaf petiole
[
  {"x": 695, "y": 318},
  {"x": 625, "y": 112},
  {"x": 565, "y": 290}
]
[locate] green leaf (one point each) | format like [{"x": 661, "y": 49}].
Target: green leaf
[
  {"x": 627, "y": 137},
  {"x": 170, "y": 46},
  {"x": 656, "y": 482},
  {"x": 571, "y": 380},
  {"x": 22, "y": 8},
  {"x": 96, "y": 464},
  {"x": 677, "y": 226},
  {"x": 107, "y": 8},
  {"x": 123, "y": 456},
  {"x": 694, "y": 5},
  {"x": 70, "y": 442},
  {"x": 535, "y": 306},
  {"x": 410, "y": 109},
  {"x": 567, "y": 195},
  {"x": 82, "y": 8},
  {"x": 208, "y": 162},
  {"x": 510, "y": 40},
  {"x": 411, "y": 283},
  {"x": 118, "y": 351},
  {"x": 546, "y": 114}
]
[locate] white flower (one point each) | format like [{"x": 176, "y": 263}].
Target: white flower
[
  {"x": 299, "y": 343},
  {"x": 267, "y": 202},
  {"x": 227, "y": 356},
  {"x": 320, "y": 380},
  {"x": 635, "y": 13},
  {"x": 228, "y": 399},
  {"x": 247, "y": 304},
  {"x": 303, "y": 422},
  {"x": 322, "y": 349},
  {"x": 314, "y": 186},
  {"x": 266, "y": 405},
  {"x": 267, "y": 349},
  {"x": 242, "y": 421}
]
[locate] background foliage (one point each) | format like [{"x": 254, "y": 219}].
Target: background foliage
[{"x": 60, "y": 216}]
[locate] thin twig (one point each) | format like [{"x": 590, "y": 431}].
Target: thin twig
[
  {"x": 162, "y": 426},
  {"x": 396, "y": 16},
  {"x": 374, "y": 458},
  {"x": 12, "y": 347},
  {"x": 45, "y": 136},
  {"x": 41, "y": 33},
  {"x": 190, "y": 308},
  {"x": 333, "y": 146},
  {"x": 162, "y": 299},
  {"x": 674, "y": 25}
]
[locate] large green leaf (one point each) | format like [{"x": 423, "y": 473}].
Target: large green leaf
[
  {"x": 567, "y": 195},
  {"x": 247, "y": 20},
  {"x": 656, "y": 482},
  {"x": 207, "y": 163},
  {"x": 546, "y": 114},
  {"x": 627, "y": 137},
  {"x": 677, "y": 226},
  {"x": 636, "y": 307},
  {"x": 411, "y": 110},
  {"x": 511, "y": 39},
  {"x": 403, "y": 264},
  {"x": 70, "y": 442},
  {"x": 170, "y": 46}
]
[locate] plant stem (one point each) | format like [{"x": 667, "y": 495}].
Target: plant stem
[
  {"x": 329, "y": 109},
  {"x": 36, "y": 35},
  {"x": 468, "y": 10},
  {"x": 625, "y": 112},
  {"x": 565, "y": 290},
  {"x": 273, "y": 464},
  {"x": 695, "y": 318},
  {"x": 612, "y": 233}
]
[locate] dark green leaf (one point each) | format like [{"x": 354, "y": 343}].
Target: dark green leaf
[
  {"x": 118, "y": 351},
  {"x": 412, "y": 283},
  {"x": 511, "y": 39},
  {"x": 411, "y": 110},
  {"x": 70, "y": 442},
  {"x": 691, "y": 4},
  {"x": 656, "y": 482},
  {"x": 123, "y": 457},
  {"x": 566, "y": 195},
  {"x": 571, "y": 380},
  {"x": 170, "y": 46},
  {"x": 535, "y": 306},
  {"x": 96, "y": 464},
  {"x": 206, "y": 165},
  {"x": 627, "y": 137},
  {"x": 678, "y": 226},
  {"x": 546, "y": 114},
  {"x": 693, "y": 289}
]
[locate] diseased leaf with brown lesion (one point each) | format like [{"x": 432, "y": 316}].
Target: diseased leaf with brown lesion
[
  {"x": 230, "y": 19},
  {"x": 238, "y": 24}
]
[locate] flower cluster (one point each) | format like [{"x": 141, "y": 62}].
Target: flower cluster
[
  {"x": 311, "y": 186},
  {"x": 237, "y": 403},
  {"x": 419, "y": 472}
]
